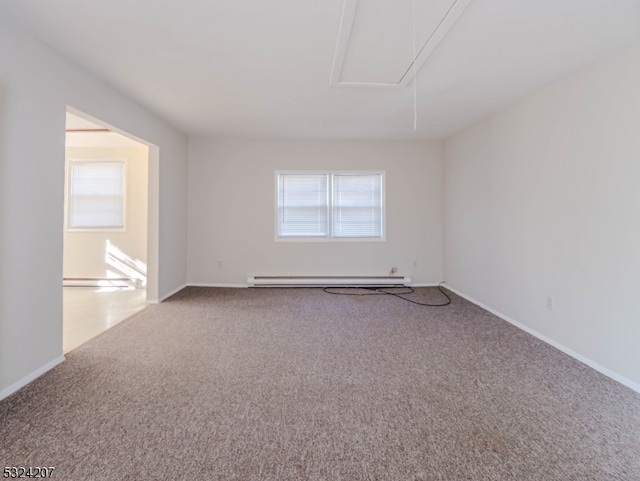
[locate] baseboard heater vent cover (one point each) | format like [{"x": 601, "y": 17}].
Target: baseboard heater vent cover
[
  {"x": 99, "y": 282},
  {"x": 327, "y": 281}
]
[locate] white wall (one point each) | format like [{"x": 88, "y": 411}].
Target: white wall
[
  {"x": 543, "y": 199},
  {"x": 85, "y": 251},
  {"x": 232, "y": 210},
  {"x": 36, "y": 86}
]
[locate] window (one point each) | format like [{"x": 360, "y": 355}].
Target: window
[
  {"x": 330, "y": 205},
  {"x": 96, "y": 195}
]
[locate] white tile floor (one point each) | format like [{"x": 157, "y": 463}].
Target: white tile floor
[{"x": 88, "y": 311}]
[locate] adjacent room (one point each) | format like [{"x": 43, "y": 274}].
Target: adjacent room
[
  {"x": 351, "y": 239},
  {"x": 105, "y": 229}
]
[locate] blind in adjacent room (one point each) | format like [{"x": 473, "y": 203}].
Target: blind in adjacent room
[{"x": 96, "y": 195}]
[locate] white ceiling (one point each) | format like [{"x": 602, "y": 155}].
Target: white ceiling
[{"x": 256, "y": 68}]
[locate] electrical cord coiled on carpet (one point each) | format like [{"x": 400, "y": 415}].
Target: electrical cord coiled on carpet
[{"x": 380, "y": 291}]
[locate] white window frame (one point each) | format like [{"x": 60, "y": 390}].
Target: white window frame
[
  {"x": 329, "y": 237},
  {"x": 69, "y": 199}
]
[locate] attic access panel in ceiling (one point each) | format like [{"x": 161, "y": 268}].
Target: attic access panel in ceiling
[{"x": 375, "y": 45}]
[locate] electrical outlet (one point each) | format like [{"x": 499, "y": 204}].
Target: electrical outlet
[
  {"x": 550, "y": 303},
  {"x": 219, "y": 263},
  {"x": 415, "y": 263}
]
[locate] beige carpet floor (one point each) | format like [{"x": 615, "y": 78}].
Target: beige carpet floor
[{"x": 297, "y": 384}]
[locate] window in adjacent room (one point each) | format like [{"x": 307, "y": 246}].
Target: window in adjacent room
[
  {"x": 96, "y": 195},
  {"x": 330, "y": 205}
]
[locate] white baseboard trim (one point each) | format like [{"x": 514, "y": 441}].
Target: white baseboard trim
[
  {"x": 583, "y": 359},
  {"x": 423, "y": 284},
  {"x": 8, "y": 391}
]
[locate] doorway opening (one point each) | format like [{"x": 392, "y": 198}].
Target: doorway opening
[{"x": 108, "y": 229}]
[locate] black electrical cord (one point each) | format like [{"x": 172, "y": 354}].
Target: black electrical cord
[{"x": 380, "y": 291}]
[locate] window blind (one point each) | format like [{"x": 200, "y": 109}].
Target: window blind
[
  {"x": 357, "y": 205},
  {"x": 303, "y": 205},
  {"x": 96, "y": 195},
  {"x": 330, "y": 205}
]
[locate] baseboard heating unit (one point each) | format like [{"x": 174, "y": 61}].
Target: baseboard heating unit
[
  {"x": 99, "y": 282},
  {"x": 327, "y": 281}
]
